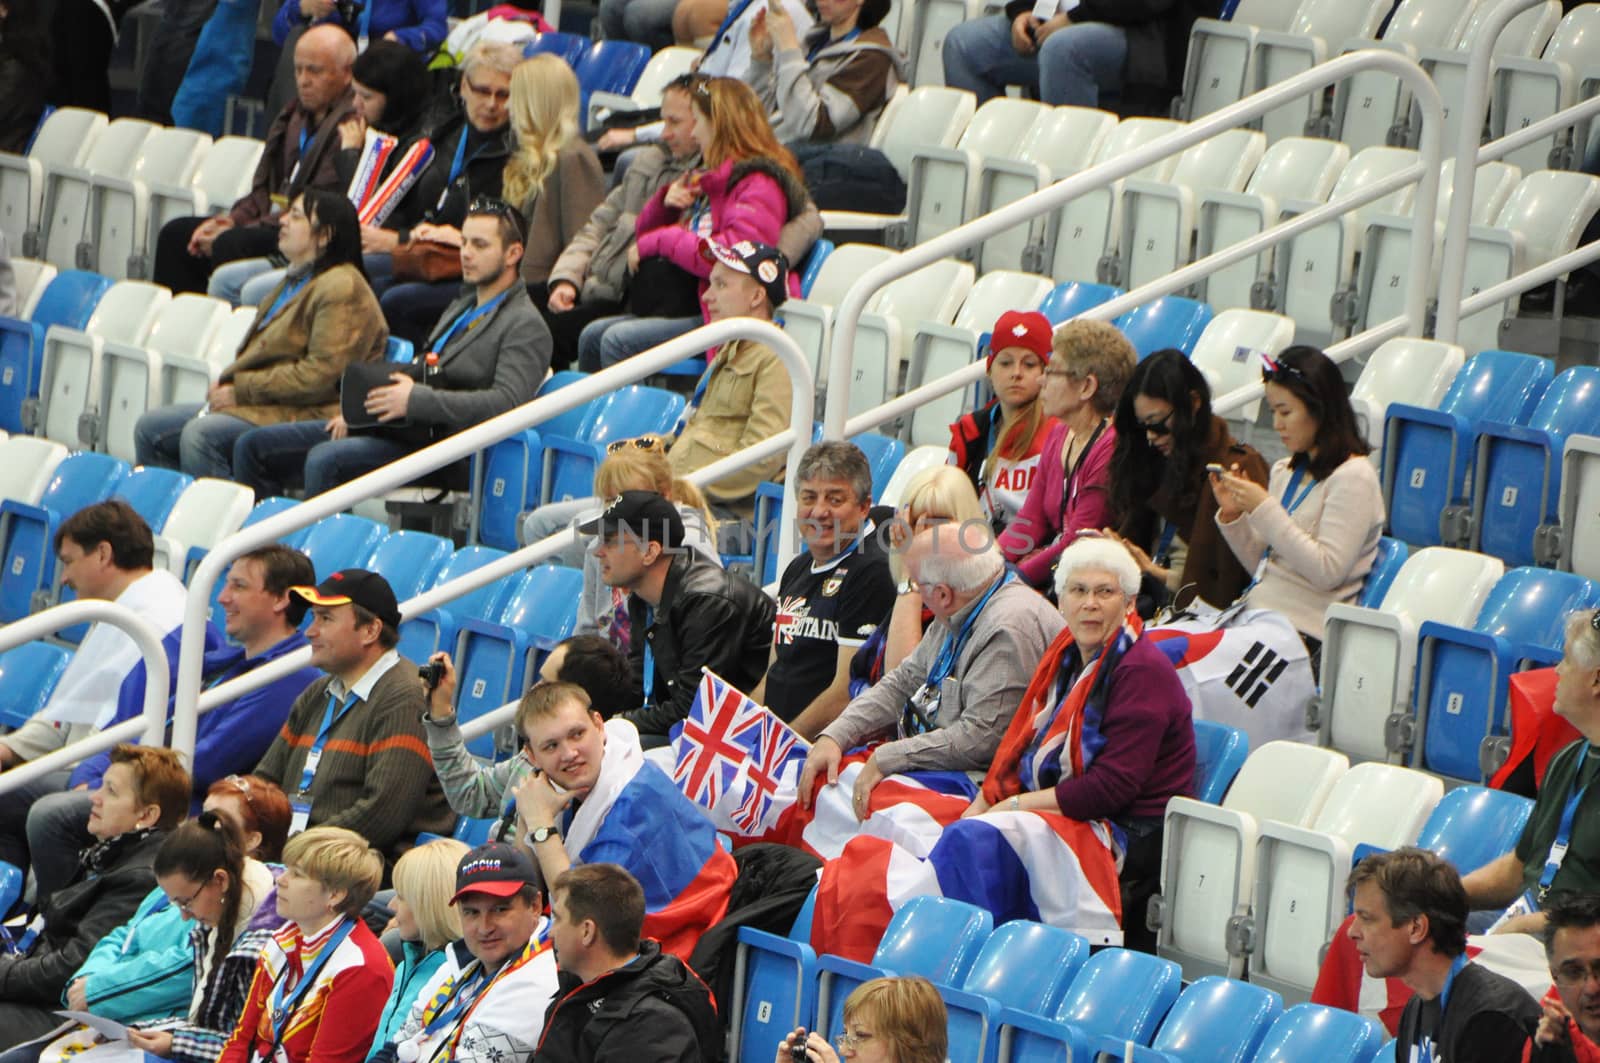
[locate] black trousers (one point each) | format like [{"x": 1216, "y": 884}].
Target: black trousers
[
  {"x": 183, "y": 272},
  {"x": 565, "y": 327},
  {"x": 1140, "y": 880}
]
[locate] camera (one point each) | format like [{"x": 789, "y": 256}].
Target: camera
[
  {"x": 349, "y": 11},
  {"x": 797, "y": 1050},
  {"x": 431, "y": 673}
]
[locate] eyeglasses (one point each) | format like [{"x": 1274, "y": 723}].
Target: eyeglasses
[
  {"x": 498, "y": 95},
  {"x": 1275, "y": 372},
  {"x": 849, "y": 1042},
  {"x": 1594, "y": 621},
  {"x": 1159, "y": 427},
  {"x": 242, "y": 784},
  {"x": 1062, "y": 373},
  {"x": 188, "y": 904},
  {"x": 639, "y": 443},
  {"x": 1099, "y": 594},
  {"x": 499, "y": 208},
  {"x": 1576, "y": 972}
]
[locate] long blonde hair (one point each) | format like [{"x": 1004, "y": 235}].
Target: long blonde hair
[
  {"x": 544, "y": 117},
  {"x": 634, "y": 468},
  {"x": 426, "y": 878}
]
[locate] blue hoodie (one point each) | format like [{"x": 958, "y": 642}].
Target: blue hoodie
[{"x": 144, "y": 969}]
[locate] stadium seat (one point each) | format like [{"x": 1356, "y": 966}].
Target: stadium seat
[
  {"x": 609, "y": 66},
  {"x": 207, "y": 512},
  {"x": 1526, "y": 89},
  {"x": 1059, "y": 143},
  {"x": 808, "y": 320},
  {"x": 1024, "y": 966},
  {"x": 1216, "y": 1020},
  {"x": 1209, "y": 851},
  {"x": 341, "y": 541},
  {"x": 1219, "y": 753},
  {"x": 1301, "y": 872},
  {"x": 932, "y": 21},
  {"x": 775, "y": 990},
  {"x": 664, "y": 66},
  {"x": 187, "y": 381},
  {"x": 1392, "y": 554},
  {"x": 132, "y": 374},
  {"x": 1071, "y": 299},
  {"x": 1474, "y": 825},
  {"x": 64, "y": 206},
  {"x": 65, "y": 139},
  {"x": 423, "y": 635},
  {"x": 222, "y": 177},
  {"x": 930, "y": 116},
  {"x": 69, "y": 382},
  {"x": 32, "y": 277},
  {"x": 513, "y": 473},
  {"x": 568, "y": 46},
  {"x": 1317, "y": 30},
  {"x": 68, "y": 301},
  {"x": 915, "y": 461},
  {"x": 29, "y": 518},
  {"x": 271, "y": 507},
  {"x": 1229, "y": 354},
  {"x": 942, "y": 190},
  {"x": 152, "y": 492},
  {"x": 883, "y": 455},
  {"x": 474, "y": 832},
  {"x": 1218, "y": 69},
  {"x": 1368, "y": 106},
  {"x": 1428, "y": 454},
  {"x": 1463, "y": 672},
  {"x": 1167, "y": 321},
  {"x": 931, "y": 295},
  {"x": 635, "y": 410},
  {"x": 1327, "y": 1035},
  {"x": 116, "y": 236},
  {"x": 1118, "y": 994},
  {"x": 1524, "y": 37},
  {"x": 410, "y": 561},
  {"x": 399, "y": 351},
  {"x": 935, "y": 937},
  {"x": 28, "y": 676},
  {"x": 1369, "y": 655},
  {"x": 811, "y": 265},
  {"x": 1297, "y": 168},
  {"x": 1415, "y": 372}
]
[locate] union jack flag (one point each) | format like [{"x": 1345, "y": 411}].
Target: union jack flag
[
  {"x": 723, "y": 730},
  {"x": 779, "y": 747}
]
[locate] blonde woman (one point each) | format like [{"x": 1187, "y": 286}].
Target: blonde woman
[
  {"x": 553, "y": 175},
  {"x": 428, "y": 924},
  {"x": 886, "y": 1020}
]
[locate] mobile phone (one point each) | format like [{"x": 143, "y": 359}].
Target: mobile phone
[
  {"x": 1214, "y": 469},
  {"x": 797, "y": 1050}
]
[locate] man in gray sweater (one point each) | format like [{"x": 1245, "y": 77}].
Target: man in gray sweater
[{"x": 488, "y": 354}]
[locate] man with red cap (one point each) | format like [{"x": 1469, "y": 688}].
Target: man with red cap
[
  {"x": 999, "y": 446},
  {"x": 487, "y": 1002}
]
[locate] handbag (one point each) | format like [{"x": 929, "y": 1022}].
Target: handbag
[
  {"x": 427, "y": 260},
  {"x": 660, "y": 288}
]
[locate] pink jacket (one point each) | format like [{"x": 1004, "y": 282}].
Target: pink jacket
[
  {"x": 750, "y": 200},
  {"x": 1035, "y": 537}
]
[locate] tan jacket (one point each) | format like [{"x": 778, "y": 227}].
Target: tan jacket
[
  {"x": 289, "y": 368},
  {"x": 570, "y": 193},
  {"x": 747, "y": 400}
]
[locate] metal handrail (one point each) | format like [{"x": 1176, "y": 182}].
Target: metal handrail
[
  {"x": 149, "y": 727},
  {"x": 188, "y": 699},
  {"x": 836, "y": 421}
]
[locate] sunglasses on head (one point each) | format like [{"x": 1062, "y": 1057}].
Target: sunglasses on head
[
  {"x": 1276, "y": 372},
  {"x": 499, "y": 208},
  {"x": 641, "y": 443}
]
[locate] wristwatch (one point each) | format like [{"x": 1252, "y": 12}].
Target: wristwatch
[{"x": 543, "y": 834}]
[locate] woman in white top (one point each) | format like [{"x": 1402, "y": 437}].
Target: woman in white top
[{"x": 1311, "y": 534}]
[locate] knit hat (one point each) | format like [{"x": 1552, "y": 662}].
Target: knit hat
[{"x": 1027, "y": 329}]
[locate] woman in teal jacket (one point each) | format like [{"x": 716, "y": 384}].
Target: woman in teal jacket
[{"x": 424, "y": 882}]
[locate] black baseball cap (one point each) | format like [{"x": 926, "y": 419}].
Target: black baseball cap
[
  {"x": 497, "y": 869},
  {"x": 644, "y": 514},
  {"x": 762, "y": 261},
  {"x": 355, "y": 586}
]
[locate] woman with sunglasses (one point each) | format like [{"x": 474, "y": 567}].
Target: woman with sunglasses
[
  {"x": 1310, "y": 536},
  {"x": 886, "y": 1020},
  {"x": 1162, "y": 500}
]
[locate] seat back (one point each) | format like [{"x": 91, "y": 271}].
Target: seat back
[
  {"x": 152, "y": 492},
  {"x": 1492, "y": 185},
  {"x": 998, "y": 127},
  {"x": 568, "y": 46},
  {"x": 916, "y": 460},
  {"x": 341, "y": 541},
  {"x": 1071, "y": 298},
  {"x": 1218, "y": 1020},
  {"x": 1429, "y": 23},
  {"x": 610, "y": 66},
  {"x": 1121, "y": 993},
  {"x": 1229, "y": 353},
  {"x": 27, "y": 466},
  {"x": 420, "y": 636},
  {"x": 1219, "y": 753},
  {"x": 1168, "y": 321},
  {"x": 1299, "y": 168},
  {"x": 1391, "y": 555},
  {"x": 1027, "y": 966},
  {"x": 935, "y": 937},
  {"x": 69, "y": 301},
  {"x": 996, "y": 292},
  {"x": 32, "y": 277},
  {"x": 1222, "y": 163},
  {"x": 1085, "y": 229},
  {"x": 1550, "y": 209},
  {"x": 65, "y": 139},
  {"x": 932, "y": 294},
  {"x": 1286, "y": 781},
  {"x": 271, "y": 507},
  {"x": 1473, "y": 825},
  {"x": 207, "y": 512},
  {"x": 842, "y": 269},
  {"x": 572, "y": 422},
  {"x": 127, "y": 311},
  {"x": 410, "y": 561},
  {"x": 930, "y": 115},
  {"x": 1327, "y": 1035},
  {"x": 629, "y": 411},
  {"x": 1379, "y": 804},
  {"x": 811, "y": 265},
  {"x": 883, "y": 456},
  {"x": 66, "y": 204},
  {"x": 28, "y": 676},
  {"x": 661, "y": 69},
  {"x": 1415, "y": 372},
  {"x": 225, "y": 173},
  {"x": 1061, "y": 141}
]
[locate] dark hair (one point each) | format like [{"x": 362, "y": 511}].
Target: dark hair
[
  {"x": 333, "y": 213},
  {"x": 1568, "y": 910},
  {"x": 197, "y": 850},
  {"x": 608, "y": 896},
  {"x": 837, "y": 459},
  {"x": 398, "y": 72},
  {"x": 685, "y": 83},
  {"x": 509, "y": 221},
  {"x": 112, "y": 521},
  {"x": 1416, "y": 882},
  {"x": 1138, "y": 470},
  {"x": 388, "y": 637},
  {"x": 1315, "y": 380},
  {"x": 600, "y": 669},
  {"x": 266, "y": 811},
  {"x": 872, "y": 13},
  {"x": 283, "y": 567},
  {"x": 160, "y": 779}
]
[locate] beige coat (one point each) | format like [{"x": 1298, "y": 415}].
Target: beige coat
[
  {"x": 570, "y": 193},
  {"x": 746, "y": 401}
]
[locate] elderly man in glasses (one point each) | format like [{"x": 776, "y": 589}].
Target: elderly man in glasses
[{"x": 489, "y": 352}]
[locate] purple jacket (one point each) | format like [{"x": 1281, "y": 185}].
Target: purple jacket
[
  {"x": 1148, "y": 755},
  {"x": 1035, "y": 537}
]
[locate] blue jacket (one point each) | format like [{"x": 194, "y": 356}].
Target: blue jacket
[
  {"x": 231, "y": 738},
  {"x": 415, "y": 971},
  {"x": 144, "y": 969},
  {"x": 418, "y": 24}
]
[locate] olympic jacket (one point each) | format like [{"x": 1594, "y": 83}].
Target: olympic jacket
[
  {"x": 144, "y": 968},
  {"x": 415, "y": 973}
]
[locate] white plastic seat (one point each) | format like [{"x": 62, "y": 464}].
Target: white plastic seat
[
  {"x": 930, "y": 116},
  {"x": 1299, "y": 168},
  {"x": 1061, "y": 142},
  {"x": 64, "y": 210},
  {"x": 932, "y": 294},
  {"x": 64, "y": 140},
  {"x": 206, "y": 513},
  {"x": 184, "y": 382},
  {"x": 1525, "y": 37},
  {"x": 1580, "y": 498},
  {"x": 1208, "y": 852},
  {"x": 1368, "y": 105},
  {"x": 932, "y": 21},
  {"x": 131, "y": 374},
  {"x": 1301, "y": 872},
  {"x": 664, "y": 66},
  {"x": 119, "y": 201},
  {"x": 1158, "y": 217},
  {"x": 915, "y": 461},
  {"x": 69, "y": 388},
  {"x": 939, "y": 350},
  {"x": 810, "y": 320},
  {"x": 1318, "y": 28},
  {"x": 1229, "y": 353},
  {"x": 32, "y": 277},
  {"x": 222, "y": 177},
  {"x": 1217, "y": 70},
  {"x": 26, "y": 467},
  {"x": 943, "y": 188},
  {"x": 1369, "y": 655},
  {"x": 1525, "y": 89},
  {"x": 1406, "y": 370},
  {"x": 1080, "y": 232}
]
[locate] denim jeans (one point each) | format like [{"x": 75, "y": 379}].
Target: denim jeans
[
  {"x": 556, "y": 516},
  {"x": 235, "y": 281},
  {"x": 178, "y": 437},
  {"x": 256, "y": 288},
  {"x": 609, "y": 340},
  {"x": 1075, "y": 65}
]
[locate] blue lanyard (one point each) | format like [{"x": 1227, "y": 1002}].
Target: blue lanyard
[
  {"x": 1425, "y": 1044},
  {"x": 649, "y": 654},
  {"x": 1558, "y": 849},
  {"x": 1163, "y": 554},
  {"x": 329, "y": 720},
  {"x": 811, "y": 55},
  {"x": 283, "y": 1010},
  {"x": 459, "y": 163},
  {"x": 945, "y": 663},
  {"x": 305, "y": 138},
  {"x": 734, "y": 12},
  {"x": 466, "y": 318},
  {"x": 287, "y": 292},
  {"x": 695, "y": 399},
  {"x": 364, "y": 23},
  {"x": 1291, "y": 501}
]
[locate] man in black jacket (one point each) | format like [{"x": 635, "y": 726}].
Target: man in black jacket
[
  {"x": 693, "y": 614},
  {"x": 620, "y": 999}
]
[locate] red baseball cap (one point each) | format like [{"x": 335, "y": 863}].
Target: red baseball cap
[{"x": 1027, "y": 329}]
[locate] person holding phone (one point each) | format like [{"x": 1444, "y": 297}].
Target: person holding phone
[
  {"x": 886, "y": 1020},
  {"x": 830, "y": 85}
]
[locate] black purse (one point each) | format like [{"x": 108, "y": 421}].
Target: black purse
[{"x": 660, "y": 288}]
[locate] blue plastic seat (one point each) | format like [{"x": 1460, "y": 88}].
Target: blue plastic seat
[
  {"x": 1472, "y": 825},
  {"x": 1066, "y": 301},
  {"x": 570, "y": 462},
  {"x": 1392, "y": 553},
  {"x": 514, "y": 468},
  {"x": 1024, "y": 966},
  {"x": 935, "y": 937},
  {"x": 495, "y": 656},
  {"x": 1463, "y": 674},
  {"x": 12, "y": 880},
  {"x": 399, "y": 350},
  {"x": 69, "y": 300},
  {"x": 28, "y": 532},
  {"x": 1428, "y": 455},
  {"x": 474, "y": 832},
  {"x": 811, "y": 265},
  {"x": 1170, "y": 321},
  {"x": 568, "y": 46},
  {"x": 884, "y": 455},
  {"x": 341, "y": 541},
  {"x": 1219, "y": 752},
  {"x": 1386, "y": 1053},
  {"x": 28, "y": 676},
  {"x": 1326, "y": 1035},
  {"x": 152, "y": 493},
  {"x": 1216, "y": 1020},
  {"x": 1119, "y": 993},
  {"x": 609, "y": 66},
  {"x": 775, "y": 986},
  {"x": 1517, "y": 485},
  {"x": 409, "y": 560},
  {"x": 421, "y": 636},
  {"x": 271, "y": 507}
]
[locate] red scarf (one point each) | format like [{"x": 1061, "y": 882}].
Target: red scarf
[{"x": 1583, "y": 1049}]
